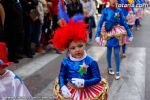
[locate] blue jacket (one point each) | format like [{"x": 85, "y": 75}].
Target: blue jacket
[
  {"x": 71, "y": 69},
  {"x": 108, "y": 16}
]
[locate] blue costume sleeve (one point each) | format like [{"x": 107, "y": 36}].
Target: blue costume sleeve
[
  {"x": 124, "y": 23},
  {"x": 102, "y": 18},
  {"x": 95, "y": 74},
  {"x": 63, "y": 75}
]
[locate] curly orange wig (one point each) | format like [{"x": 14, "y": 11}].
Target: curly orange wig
[{"x": 73, "y": 31}]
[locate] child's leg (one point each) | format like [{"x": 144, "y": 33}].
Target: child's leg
[
  {"x": 130, "y": 26},
  {"x": 109, "y": 51},
  {"x": 124, "y": 49},
  {"x": 137, "y": 23},
  {"x": 117, "y": 58},
  {"x": 90, "y": 27}
]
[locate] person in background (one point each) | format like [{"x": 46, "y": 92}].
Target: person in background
[
  {"x": 113, "y": 32},
  {"x": 38, "y": 23},
  {"x": 131, "y": 19},
  {"x": 138, "y": 13},
  {"x": 125, "y": 11},
  {"x": 54, "y": 12},
  {"x": 28, "y": 19},
  {"x": 47, "y": 26},
  {"x": 13, "y": 28},
  {"x": 2, "y": 19},
  {"x": 89, "y": 9},
  {"x": 75, "y": 7}
]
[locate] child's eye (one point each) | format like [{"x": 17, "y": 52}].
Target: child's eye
[
  {"x": 81, "y": 45},
  {"x": 72, "y": 48}
]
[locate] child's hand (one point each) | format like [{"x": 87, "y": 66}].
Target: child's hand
[
  {"x": 65, "y": 92},
  {"x": 78, "y": 82},
  {"x": 97, "y": 39},
  {"x": 131, "y": 38}
]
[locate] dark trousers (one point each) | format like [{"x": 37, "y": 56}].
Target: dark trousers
[
  {"x": 2, "y": 36},
  {"x": 91, "y": 21},
  {"x": 28, "y": 26},
  {"x": 55, "y": 25},
  {"x": 137, "y": 22},
  {"x": 37, "y": 33},
  {"x": 15, "y": 44}
]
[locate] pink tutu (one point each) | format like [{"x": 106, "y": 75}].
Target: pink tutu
[
  {"x": 118, "y": 32},
  {"x": 95, "y": 92}
]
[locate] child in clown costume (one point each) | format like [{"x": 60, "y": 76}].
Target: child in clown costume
[
  {"x": 125, "y": 11},
  {"x": 131, "y": 19},
  {"x": 139, "y": 11},
  {"x": 11, "y": 86},
  {"x": 79, "y": 77},
  {"x": 113, "y": 32}
]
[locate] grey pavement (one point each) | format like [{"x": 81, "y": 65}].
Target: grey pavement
[
  {"x": 134, "y": 84},
  {"x": 131, "y": 86},
  {"x": 142, "y": 39}
]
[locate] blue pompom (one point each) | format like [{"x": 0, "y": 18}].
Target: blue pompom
[
  {"x": 62, "y": 13},
  {"x": 78, "y": 17}
]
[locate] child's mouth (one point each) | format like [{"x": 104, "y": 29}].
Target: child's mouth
[{"x": 78, "y": 54}]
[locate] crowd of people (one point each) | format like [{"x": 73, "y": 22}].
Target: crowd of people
[{"x": 27, "y": 25}]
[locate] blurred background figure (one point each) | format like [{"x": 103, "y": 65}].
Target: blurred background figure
[
  {"x": 2, "y": 19},
  {"x": 130, "y": 19},
  {"x": 54, "y": 13},
  {"x": 29, "y": 17},
  {"x": 101, "y": 4},
  {"x": 13, "y": 28},
  {"x": 74, "y": 7},
  {"x": 89, "y": 9},
  {"x": 37, "y": 26}
]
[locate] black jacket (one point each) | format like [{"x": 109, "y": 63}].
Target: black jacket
[
  {"x": 13, "y": 16},
  {"x": 74, "y": 8}
]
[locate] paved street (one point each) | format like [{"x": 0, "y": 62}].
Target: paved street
[
  {"x": 39, "y": 73},
  {"x": 141, "y": 40}
]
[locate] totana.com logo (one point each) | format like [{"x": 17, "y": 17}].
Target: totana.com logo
[{"x": 131, "y": 5}]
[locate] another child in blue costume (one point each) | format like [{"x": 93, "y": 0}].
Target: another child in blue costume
[
  {"x": 79, "y": 77},
  {"x": 113, "y": 32},
  {"x": 125, "y": 11}
]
